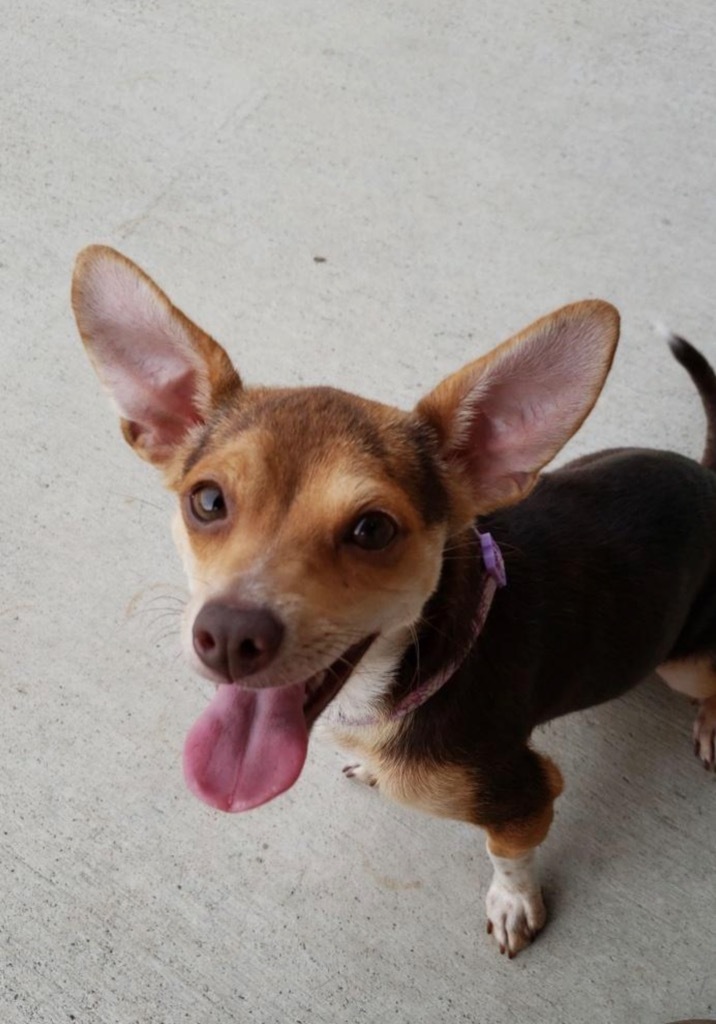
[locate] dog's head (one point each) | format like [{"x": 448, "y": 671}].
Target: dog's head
[{"x": 313, "y": 523}]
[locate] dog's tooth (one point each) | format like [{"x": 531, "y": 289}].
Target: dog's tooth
[{"x": 315, "y": 683}]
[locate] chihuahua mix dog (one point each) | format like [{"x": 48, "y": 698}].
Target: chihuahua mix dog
[{"x": 345, "y": 561}]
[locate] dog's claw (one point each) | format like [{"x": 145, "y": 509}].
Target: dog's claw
[
  {"x": 514, "y": 918},
  {"x": 704, "y": 734},
  {"x": 360, "y": 773}
]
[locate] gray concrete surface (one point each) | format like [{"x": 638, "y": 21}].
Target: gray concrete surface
[{"x": 462, "y": 168}]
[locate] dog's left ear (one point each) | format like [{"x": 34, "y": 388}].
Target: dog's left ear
[
  {"x": 163, "y": 373},
  {"x": 503, "y": 417}
]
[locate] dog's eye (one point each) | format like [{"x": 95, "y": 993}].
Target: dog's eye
[
  {"x": 373, "y": 531},
  {"x": 207, "y": 503}
]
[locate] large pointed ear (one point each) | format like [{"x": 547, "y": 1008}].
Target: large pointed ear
[
  {"x": 503, "y": 417},
  {"x": 163, "y": 373}
]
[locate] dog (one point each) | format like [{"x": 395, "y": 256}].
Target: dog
[{"x": 413, "y": 578}]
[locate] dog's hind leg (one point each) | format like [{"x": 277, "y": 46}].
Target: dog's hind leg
[{"x": 696, "y": 678}]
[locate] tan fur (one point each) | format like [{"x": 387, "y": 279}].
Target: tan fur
[
  {"x": 518, "y": 837},
  {"x": 695, "y": 677},
  {"x": 446, "y": 791},
  {"x": 280, "y": 545},
  {"x": 298, "y": 531}
]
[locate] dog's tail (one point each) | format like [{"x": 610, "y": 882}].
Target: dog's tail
[{"x": 703, "y": 376}]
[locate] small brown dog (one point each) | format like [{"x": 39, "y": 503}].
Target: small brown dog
[{"x": 344, "y": 560}]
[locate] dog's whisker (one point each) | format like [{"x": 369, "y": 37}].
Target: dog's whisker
[
  {"x": 147, "y": 626},
  {"x": 177, "y": 613},
  {"x": 163, "y": 609},
  {"x": 165, "y": 597},
  {"x": 416, "y": 645},
  {"x": 164, "y": 635},
  {"x": 426, "y": 624},
  {"x": 155, "y": 605}
]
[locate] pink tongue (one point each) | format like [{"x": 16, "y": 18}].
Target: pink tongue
[{"x": 247, "y": 747}]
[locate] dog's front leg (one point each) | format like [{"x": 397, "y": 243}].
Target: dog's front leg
[
  {"x": 362, "y": 773},
  {"x": 515, "y": 908}
]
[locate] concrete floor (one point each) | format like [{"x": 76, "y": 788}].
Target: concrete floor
[{"x": 462, "y": 168}]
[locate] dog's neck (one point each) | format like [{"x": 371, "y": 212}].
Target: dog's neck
[{"x": 404, "y": 671}]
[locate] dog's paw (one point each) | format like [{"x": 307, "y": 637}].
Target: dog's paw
[
  {"x": 705, "y": 734},
  {"x": 360, "y": 773},
  {"x": 514, "y": 917}
]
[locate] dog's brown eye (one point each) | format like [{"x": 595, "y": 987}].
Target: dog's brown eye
[
  {"x": 207, "y": 503},
  {"x": 374, "y": 531}
]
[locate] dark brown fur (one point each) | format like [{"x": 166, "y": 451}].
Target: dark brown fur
[{"x": 581, "y": 621}]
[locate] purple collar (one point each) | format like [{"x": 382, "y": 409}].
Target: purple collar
[{"x": 494, "y": 577}]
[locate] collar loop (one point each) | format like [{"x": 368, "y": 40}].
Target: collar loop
[{"x": 494, "y": 578}]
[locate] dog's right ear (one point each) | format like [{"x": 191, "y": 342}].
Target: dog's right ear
[{"x": 164, "y": 374}]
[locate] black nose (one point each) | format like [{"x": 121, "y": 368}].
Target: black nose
[{"x": 236, "y": 642}]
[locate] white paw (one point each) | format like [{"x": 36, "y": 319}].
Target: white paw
[
  {"x": 705, "y": 734},
  {"x": 361, "y": 774},
  {"x": 514, "y": 917}
]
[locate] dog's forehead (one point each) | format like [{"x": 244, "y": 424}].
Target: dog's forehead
[
  {"x": 287, "y": 435},
  {"x": 319, "y": 416}
]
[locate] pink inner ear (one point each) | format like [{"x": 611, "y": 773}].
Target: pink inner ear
[
  {"x": 143, "y": 352},
  {"x": 146, "y": 381},
  {"x": 153, "y": 381},
  {"x": 527, "y": 402},
  {"x": 496, "y": 449},
  {"x": 162, "y": 424},
  {"x": 510, "y": 418}
]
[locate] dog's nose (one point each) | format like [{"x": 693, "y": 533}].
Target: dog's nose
[{"x": 236, "y": 642}]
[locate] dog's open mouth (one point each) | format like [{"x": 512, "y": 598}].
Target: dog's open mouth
[
  {"x": 324, "y": 686},
  {"x": 250, "y": 744}
]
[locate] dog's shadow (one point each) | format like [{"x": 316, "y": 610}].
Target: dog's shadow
[{"x": 632, "y": 782}]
